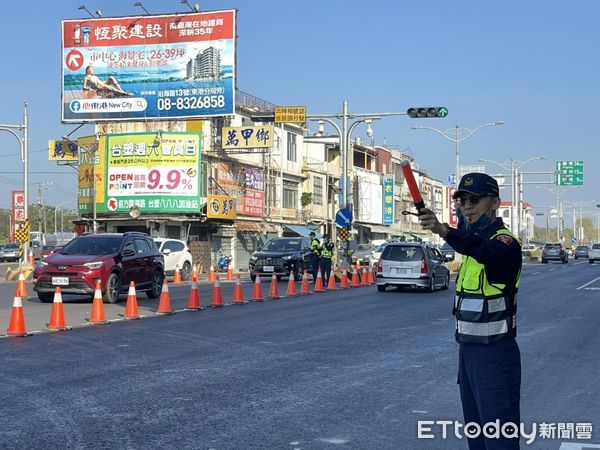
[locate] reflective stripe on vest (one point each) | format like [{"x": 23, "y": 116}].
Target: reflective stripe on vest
[
  {"x": 326, "y": 253},
  {"x": 485, "y": 312}
]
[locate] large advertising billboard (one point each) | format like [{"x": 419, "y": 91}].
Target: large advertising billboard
[
  {"x": 148, "y": 67},
  {"x": 157, "y": 174}
]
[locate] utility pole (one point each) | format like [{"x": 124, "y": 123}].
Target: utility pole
[{"x": 41, "y": 210}]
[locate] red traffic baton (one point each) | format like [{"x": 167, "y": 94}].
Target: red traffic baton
[{"x": 412, "y": 185}]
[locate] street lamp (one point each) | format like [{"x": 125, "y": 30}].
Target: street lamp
[
  {"x": 24, "y": 144},
  {"x": 516, "y": 189},
  {"x": 457, "y": 135}
]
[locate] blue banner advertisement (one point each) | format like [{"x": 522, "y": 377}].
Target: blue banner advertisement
[
  {"x": 388, "y": 199},
  {"x": 148, "y": 67}
]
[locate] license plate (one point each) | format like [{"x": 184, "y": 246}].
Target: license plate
[
  {"x": 401, "y": 271},
  {"x": 60, "y": 281},
  {"x": 269, "y": 268}
]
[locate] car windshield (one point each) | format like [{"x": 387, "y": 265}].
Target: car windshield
[
  {"x": 596, "y": 247},
  {"x": 381, "y": 247},
  {"x": 11, "y": 247},
  {"x": 402, "y": 253},
  {"x": 552, "y": 246},
  {"x": 95, "y": 245},
  {"x": 282, "y": 245},
  {"x": 582, "y": 247}
]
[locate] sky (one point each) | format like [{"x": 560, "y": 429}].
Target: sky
[{"x": 533, "y": 65}]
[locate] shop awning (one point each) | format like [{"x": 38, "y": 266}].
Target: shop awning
[
  {"x": 300, "y": 230},
  {"x": 376, "y": 228},
  {"x": 254, "y": 227}
]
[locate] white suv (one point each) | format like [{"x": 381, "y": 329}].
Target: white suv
[
  {"x": 176, "y": 252},
  {"x": 594, "y": 253}
]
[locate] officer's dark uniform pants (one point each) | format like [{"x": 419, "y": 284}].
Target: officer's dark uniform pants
[
  {"x": 490, "y": 382},
  {"x": 325, "y": 270},
  {"x": 314, "y": 264}
]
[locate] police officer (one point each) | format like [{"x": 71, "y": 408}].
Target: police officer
[
  {"x": 485, "y": 306},
  {"x": 315, "y": 247},
  {"x": 326, "y": 256}
]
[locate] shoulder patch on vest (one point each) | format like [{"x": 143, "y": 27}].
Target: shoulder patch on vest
[{"x": 505, "y": 239}]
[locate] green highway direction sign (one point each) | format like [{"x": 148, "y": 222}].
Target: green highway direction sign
[{"x": 569, "y": 173}]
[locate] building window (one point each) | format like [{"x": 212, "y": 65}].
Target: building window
[
  {"x": 290, "y": 194},
  {"x": 317, "y": 190},
  {"x": 291, "y": 147}
]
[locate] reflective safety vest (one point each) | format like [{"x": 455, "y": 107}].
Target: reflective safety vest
[
  {"x": 485, "y": 313},
  {"x": 315, "y": 245},
  {"x": 327, "y": 251}
]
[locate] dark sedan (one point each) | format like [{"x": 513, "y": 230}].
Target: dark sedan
[
  {"x": 582, "y": 251},
  {"x": 280, "y": 256}
]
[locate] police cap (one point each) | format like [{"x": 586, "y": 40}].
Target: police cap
[{"x": 479, "y": 184}]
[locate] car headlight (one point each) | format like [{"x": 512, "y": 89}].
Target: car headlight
[
  {"x": 253, "y": 258},
  {"x": 94, "y": 265},
  {"x": 287, "y": 258},
  {"x": 41, "y": 264}
]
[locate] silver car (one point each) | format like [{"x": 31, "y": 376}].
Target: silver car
[{"x": 412, "y": 264}]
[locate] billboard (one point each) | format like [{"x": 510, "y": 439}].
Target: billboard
[
  {"x": 157, "y": 174},
  {"x": 221, "y": 207},
  {"x": 247, "y": 137},
  {"x": 148, "y": 67},
  {"x": 388, "y": 199},
  {"x": 92, "y": 166},
  {"x": 62, "y": 150}
]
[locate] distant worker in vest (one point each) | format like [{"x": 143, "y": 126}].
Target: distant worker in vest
[
  {"x": 326, "y": 257},
  {"x": 485, "y": 306},
  {"x": 315, "y": 256}
]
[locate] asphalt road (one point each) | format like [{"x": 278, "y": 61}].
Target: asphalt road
[{"x": 350, "y": 369}]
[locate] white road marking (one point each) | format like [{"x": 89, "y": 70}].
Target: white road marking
[
  {"x": 536, "y": 273},
  {"x": 587, "y": 284},
  {"x": 576, "y": 446}
]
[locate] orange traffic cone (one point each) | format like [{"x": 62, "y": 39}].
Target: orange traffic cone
[
  {"x": 304, "y": 287},
  {"x": 97, "y": 317},
  {"x": 331, "y": 284},
  {"x": 57, "y": 315},
  {"x": 357, "y": 264},
  {"x": 257, "y": 294},
  {"x": 177, "y": 276},
  {"x": 371, "y": 276},
  {"x": 319, "y": 282},
  {"x": 291, "y": 288},
  {"x": 131, "y": 310},
  {"x": 344, "y": 282},
  {"x": 211, "y": 274},
  {"x": 21, "y": 286},
  {"x": 31, "y": 260},
  {"x": 238, "y": 293},
  {"x": 274, "y": 289},
  {"x": 164, "y": 305},
  {"x": 364, "y": 281},
  {"x": 217, "y": 297},
  {"x": 229, "y": 275},
  {"x": 16, "y": 327},
  {"x": 194, "y": 299},
  {"x": 194, "y": 273},
  {"x": 355, "y": 280}
]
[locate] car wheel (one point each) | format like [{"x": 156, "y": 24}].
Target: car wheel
[
  {"x": 186, "y": 271},
  {"x": 157, "y": 282},
  {"x": 591, "y": 261},
  {"x": 446, "y": 282},
  {"x": 431, "y": 287},
  {"x": 544, "y": 261},
  {"x": 253, "y": 277},
  {"x": 299, "y": 271},
  {"x": 46, "y": 297},
  {"x": 113, "y": 288},
  {"x": 381, "y": 287}
]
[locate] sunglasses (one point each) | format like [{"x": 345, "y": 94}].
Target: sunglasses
[{"x": 473, "y": 199}]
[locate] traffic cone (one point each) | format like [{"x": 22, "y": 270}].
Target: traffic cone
[
  {"x": 238, "y": 293},
  {"x": 319, "y": 282},
  {"x": 97, "y": 317},
  {"x": 194, "y": 299},
  {"x": 164, "y": 305},
  {"x": 194, "y": 273},
  {"x": 304, "y": 287},
  {"x": 344, "y": 283},
  {"x": 131, "y": 310},
  {"x": 211, "y": 274},
  {"x": 57, "y": 315},
  {"x": 16, "y": 327},
  {"x": 371, "y": 276},
  {"x": 257, "y": 294},
  {"x": 357, "y": 264},
  {"x": 229, "y": 275},
  {"x": 291, "y": 288},
  {"x": 274, "y": 289},
  {"x": 217, "y": 297},
  {"x": 177, "y": 276},
  {"x": 331, "y": 284},
  {"x": 363, "y": 278},
  {"x": 355, "y": 280},
  {"x": 31, "y": 260},
  {"x": 21, "y": 286}
]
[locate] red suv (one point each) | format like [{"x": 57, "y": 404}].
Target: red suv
[{"x": 113, "y": 258}]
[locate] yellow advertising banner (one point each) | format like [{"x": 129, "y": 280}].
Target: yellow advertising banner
[
  {"x": 290, "y": 114},
  {"x": 221, "y": 207},
  {"x": 247, "y": 137},
  {"x": 92, "y": 165},
  {"x": 62, "y": 150}
]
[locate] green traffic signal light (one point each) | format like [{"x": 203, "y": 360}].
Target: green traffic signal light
[{"x": 427, "y": 112}]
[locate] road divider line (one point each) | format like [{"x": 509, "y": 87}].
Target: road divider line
[{"x": 587, "y": 284}]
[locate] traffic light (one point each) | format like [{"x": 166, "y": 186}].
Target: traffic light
[
  {"x": 263, "y": 116},
  {"x": 423, "y": 112}
]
